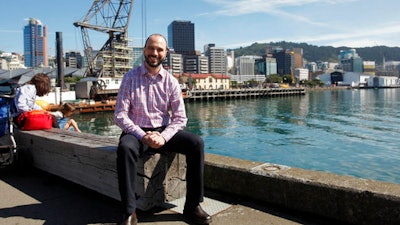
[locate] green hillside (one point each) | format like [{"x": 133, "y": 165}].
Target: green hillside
[{"x": 314, "y": 53}]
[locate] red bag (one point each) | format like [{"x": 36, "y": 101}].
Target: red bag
[{"x": 35, "y": 120}]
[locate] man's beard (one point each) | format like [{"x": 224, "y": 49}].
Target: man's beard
[{"x": 153, "y": 64}]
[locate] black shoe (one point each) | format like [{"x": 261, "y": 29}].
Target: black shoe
[
  {"x": 131, "y": 220},
  {"x": 197, "y": 215}
]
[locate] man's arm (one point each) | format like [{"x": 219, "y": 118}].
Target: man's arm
[
  {"x": 122, "y": 108},
  {"x": 178, "y": 116}
]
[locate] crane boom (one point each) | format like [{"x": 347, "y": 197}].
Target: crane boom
[{"x": 111, "y": 17}]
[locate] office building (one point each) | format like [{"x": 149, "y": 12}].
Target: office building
[
  {"x": 173, "y": 63},
  {"x": 301, "y": 74},
  {"x": 270, "y": 66},
  {"x": 245, "y": 65},
  {"x": 35, "y": 44},
  {"x": 285, "y": 62},
  {"x": 73, "y": 59},
  {"x": 196, "y": 64},
  {"x": 350, "y": 61},
  {"x": 298, "y": 57},
  {"x": 217, "y": 59},
  {"x": 181, "y": 37}
]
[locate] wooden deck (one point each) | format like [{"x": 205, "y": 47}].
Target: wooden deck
[
  {"x": 96, "y": 107},
  {"x": 90, "y": 107}
]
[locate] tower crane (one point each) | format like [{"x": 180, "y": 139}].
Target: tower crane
[{"x": 107, "y": 66}]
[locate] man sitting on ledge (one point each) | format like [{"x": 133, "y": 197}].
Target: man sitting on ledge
[{"x": 146, "y": 96}]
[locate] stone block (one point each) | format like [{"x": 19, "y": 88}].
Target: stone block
[{"x": 90, "y": 160}]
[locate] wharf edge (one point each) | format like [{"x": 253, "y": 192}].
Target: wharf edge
[
  {"x": 335, "y": 197},
  {"x": 194, "y": 96}
]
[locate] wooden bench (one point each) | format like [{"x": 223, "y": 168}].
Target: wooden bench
[{"x": 90, "y": 160}]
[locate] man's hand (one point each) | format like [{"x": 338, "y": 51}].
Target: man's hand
[{"x": 153, "y": 139}]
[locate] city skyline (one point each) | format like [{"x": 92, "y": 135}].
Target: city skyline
[{"x": 228, "y": 24}]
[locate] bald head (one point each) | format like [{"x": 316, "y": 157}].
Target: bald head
[
  {"x": 155, "y": 51},
  {"x": 153, "y": 36}
]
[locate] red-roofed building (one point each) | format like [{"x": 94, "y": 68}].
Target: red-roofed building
[{"x": 207, "y": 81}]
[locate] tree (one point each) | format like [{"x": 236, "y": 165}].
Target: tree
[
  {"x": 274, "y": 78},
  {"x": 312, "y": 83},
  {"x": 287, "y": 79}
]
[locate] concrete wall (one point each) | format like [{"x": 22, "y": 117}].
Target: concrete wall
[{"x": 345, "y": 198}]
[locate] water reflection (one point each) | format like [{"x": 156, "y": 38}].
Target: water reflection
[
  {"x": 353, "y": 132},
  {"x": 101, "y": 123}
]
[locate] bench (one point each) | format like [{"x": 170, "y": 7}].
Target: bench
[{"x": 90, "y": 160}]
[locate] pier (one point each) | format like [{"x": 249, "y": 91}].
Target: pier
[
  {"x": 91, "y": 106},
  {"x": 207, "y": 95}
]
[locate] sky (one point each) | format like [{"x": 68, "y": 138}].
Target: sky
[{"x": 225, "y": 23}]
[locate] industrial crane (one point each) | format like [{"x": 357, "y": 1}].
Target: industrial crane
[{"x": 106, "y": 66}]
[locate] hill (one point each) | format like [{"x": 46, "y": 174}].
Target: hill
[{"x": 314, "y": 53}]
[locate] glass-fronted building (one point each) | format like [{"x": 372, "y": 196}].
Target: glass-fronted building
[
  {"x": 181, "y": 37},
  {"x": 35, "y": 44},
  {"x": 350, "y": 61}
]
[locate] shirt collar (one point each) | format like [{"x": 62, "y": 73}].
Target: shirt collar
[{"x": 161, "y": 73}]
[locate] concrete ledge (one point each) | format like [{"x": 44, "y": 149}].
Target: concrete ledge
[
  {"x": 345, "y": 198},
  {"x": 90, "y": 160}
]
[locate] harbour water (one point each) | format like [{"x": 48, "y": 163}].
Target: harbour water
[{"x": 349, "y": 132}]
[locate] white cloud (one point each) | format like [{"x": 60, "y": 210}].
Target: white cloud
[
  {"x": 333, "y": 22},
  {"x": 278, "y": 8}
]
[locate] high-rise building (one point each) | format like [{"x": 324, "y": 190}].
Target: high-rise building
[
  {"x": 298, "y": 57},
  {"x": 285, "y": 62},
  {"x": 35, "y": 44},
  {"x": 181, "y": 37},
  {"x": 216, "y": 59}
]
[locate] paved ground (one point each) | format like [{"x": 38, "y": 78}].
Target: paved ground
[{"x": 38, "y": 198}]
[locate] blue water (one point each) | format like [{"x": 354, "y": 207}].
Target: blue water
[{"x": 350, "y": 132}]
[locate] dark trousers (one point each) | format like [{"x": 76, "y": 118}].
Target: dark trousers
[{"x": 130, "y": 149}]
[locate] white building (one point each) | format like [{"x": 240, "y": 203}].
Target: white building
[
  {"x": 209, "y": 81},
  {"x": 3, "y": 64},
  {"x": 344, "y": 79},
  {"x": 359, "y": 80},
  {"x": 383, "y": 81},
  {"x": 15, "y": 64},
  {"x": 11, "y": 61},
  {"x": 301, "y": 74}
]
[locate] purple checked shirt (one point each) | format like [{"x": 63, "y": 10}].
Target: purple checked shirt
[{"x": 146, "y": 101}]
